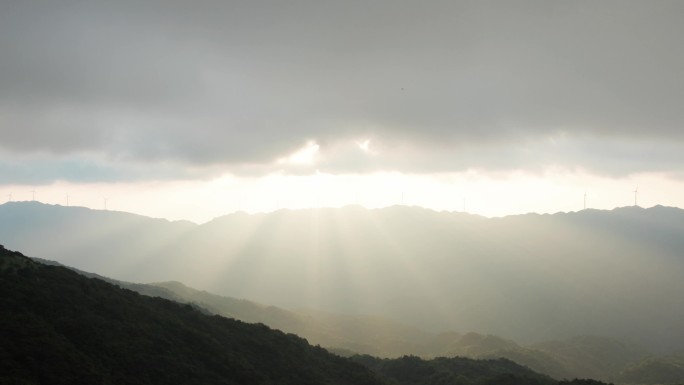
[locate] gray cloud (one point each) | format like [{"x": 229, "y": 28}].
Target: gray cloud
[
  {"x": 442, "y": 85},
  {"x": 37, "y": 169}
]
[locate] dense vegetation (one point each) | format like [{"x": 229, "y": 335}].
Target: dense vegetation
[
  {"x": 410, "y": 370},
  {"x": 58, "y": 327},
  {"x": 581, "y": 356}
]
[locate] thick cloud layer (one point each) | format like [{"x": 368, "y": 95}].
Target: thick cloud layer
[{"x": 437, "y": 86}]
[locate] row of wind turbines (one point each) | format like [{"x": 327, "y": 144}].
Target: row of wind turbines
[
  {"x": 636, "y": 192},
  {"x": 105, "y": 199},
  {"x": 33, "y": 198}
]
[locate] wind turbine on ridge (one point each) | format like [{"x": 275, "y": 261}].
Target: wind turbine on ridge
[{"x": 636, "y": 191}]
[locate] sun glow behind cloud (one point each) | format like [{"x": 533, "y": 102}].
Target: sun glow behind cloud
[
  {"x": 304, "y": 156},
  {"x": 365, "y": 145}
]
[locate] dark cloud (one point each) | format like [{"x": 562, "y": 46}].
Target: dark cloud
[
  {"x": 443, "y": 85},
  {"x": 37, "y": 169}
]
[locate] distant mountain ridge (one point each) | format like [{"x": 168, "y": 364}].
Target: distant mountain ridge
[
  {"x": 527, "y": 277},
  {"x": 667, "y": 370}
]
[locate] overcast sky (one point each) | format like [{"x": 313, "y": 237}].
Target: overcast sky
[{"x": 95, "y": 92}]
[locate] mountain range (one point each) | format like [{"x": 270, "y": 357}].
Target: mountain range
[
  {"x": 60, "y": 327},
  {"x": 579, "y": 357},
  {"x": 584, "y": 356},
  {"x": 530, "y": 278}
]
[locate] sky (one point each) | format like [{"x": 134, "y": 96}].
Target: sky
[{"x": 192, "y": 110}]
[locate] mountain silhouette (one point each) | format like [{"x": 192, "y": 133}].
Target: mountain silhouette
[
  {"x": 60, "y": 327},
  {"x": 529, "y": 277},
  {"x": 578, "y": 357}
]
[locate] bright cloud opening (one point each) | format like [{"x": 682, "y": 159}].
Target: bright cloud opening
[
  {"x": 365, "y": 145},
  {"x": 304, "y": 156}
]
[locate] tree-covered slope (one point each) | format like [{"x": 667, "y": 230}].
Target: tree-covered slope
[
  {"x": 592, "y": 356},
  {"x": 58, "y": 327},
  {"x": 374, "y": 335},
  {"x": 654, "y": 370},
  {"x": 410, "y": 370},
  {"x": 578, "y": 357}
]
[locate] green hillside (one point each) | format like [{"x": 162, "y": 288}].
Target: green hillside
[
  {"x": 580, "y": 356},
  {"x": 374, "y": 335},
  {"x": 410, "y": 370},
  {"x": 59, "y": 327},
  {"x": 577, "y": 357}
]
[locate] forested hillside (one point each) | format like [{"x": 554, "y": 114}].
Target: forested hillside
[{"x": 58, "y": 327}]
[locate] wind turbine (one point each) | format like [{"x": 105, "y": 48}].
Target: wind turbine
[
  {"x": 585, "y": 201},
  {"x": 105, "y": 202},
  {"x": 9, "y": 196},
  {"x": 67, "y": 197},
  {"x": 636, "y": 191},
  {"x": 33, "y": 194}
]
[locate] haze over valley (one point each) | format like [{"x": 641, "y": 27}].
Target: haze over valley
[{"x": 530, "y": 278}]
